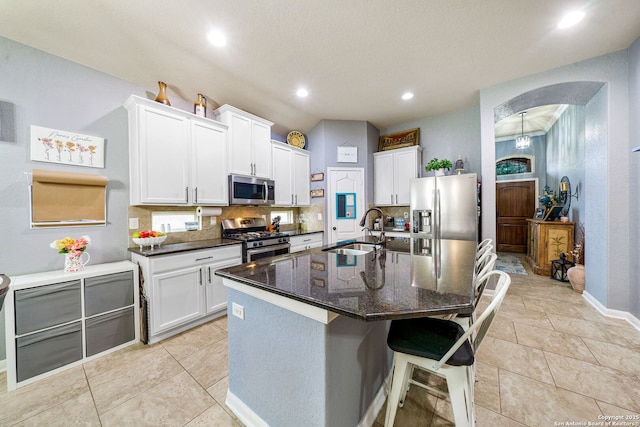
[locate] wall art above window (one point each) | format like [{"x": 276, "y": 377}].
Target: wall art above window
[{"x": 69, "y": 148}]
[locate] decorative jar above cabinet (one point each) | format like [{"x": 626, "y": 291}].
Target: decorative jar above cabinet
[{"x": 175, "y": 157}]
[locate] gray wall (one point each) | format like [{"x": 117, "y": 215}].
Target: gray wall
[
  {"x": 634, "y": 176},
  {"x": 52, "y": 92},
  {"x": 565, "y": 156},
  {"x": 448, "y": 135}
]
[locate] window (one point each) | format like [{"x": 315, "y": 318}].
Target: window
[
  {"x": 170, "y": 222},
  {"x": 515, "y": 165},
  {"x": 286, "y": 217}
]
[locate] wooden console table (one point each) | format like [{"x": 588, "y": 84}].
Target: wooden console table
[{"x": 546, "y": 241}]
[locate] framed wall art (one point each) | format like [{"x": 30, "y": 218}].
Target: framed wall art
[
  {"x": 317, "y": 193},
  {"x": 406, "y": 138},
  {"x": 318, "y": 176},
  {"x": 69, "y": 148}
]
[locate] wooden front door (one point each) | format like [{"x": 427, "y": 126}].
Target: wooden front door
[{"x": 515, "y": 203}]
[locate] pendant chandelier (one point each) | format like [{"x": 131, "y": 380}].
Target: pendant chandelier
[{"x": 523, "y": 141}]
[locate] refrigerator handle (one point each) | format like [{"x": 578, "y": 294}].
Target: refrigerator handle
[{"x": 437, "y": 209}]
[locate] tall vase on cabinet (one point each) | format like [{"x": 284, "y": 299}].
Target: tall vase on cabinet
[{"x": 162, "y": 94}]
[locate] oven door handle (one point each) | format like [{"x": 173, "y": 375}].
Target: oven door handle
[{"x": 268, "y": 248}]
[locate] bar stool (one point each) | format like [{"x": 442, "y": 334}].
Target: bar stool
[{"x": 441, "y": 347}]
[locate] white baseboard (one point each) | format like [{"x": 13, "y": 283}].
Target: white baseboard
[
  {"x": 608, "y": 312},
  {"x": 376, "y": 405},
  {"x": 243, "y": 412},
  {"x": 251, "y": 419}
]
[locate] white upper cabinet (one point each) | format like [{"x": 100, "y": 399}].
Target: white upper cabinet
[
  {"x": 249, "y": 142},
  {"x": 291, "y": 175},
  {"x": 175, "y": 157},
  {"x": 393, "y": 171}
]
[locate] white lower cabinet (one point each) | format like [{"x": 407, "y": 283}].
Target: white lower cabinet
[
  {"x": 183, "y": 290},
  {"x": 305, "y": 241},
  {"x": 56, "y": 320}
]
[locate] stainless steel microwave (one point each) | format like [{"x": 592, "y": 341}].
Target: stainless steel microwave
[{"x": 249, "y": 190}]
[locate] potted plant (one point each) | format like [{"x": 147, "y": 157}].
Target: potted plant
[
  {"x": 438, "y": 166},
  {"x": 576, "y": 273}
]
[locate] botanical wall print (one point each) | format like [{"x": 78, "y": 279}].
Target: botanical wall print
[{"x": 59, "y": 146}]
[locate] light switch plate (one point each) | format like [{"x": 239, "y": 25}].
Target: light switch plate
[
  {"x": 133, "y": 223},
  {"x": 214, "y": 220}
]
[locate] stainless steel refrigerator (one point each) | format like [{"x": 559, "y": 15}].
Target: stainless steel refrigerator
[{"x": 445, "y": 207}]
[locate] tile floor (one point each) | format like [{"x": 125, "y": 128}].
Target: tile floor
[{"x": 550, "y": 358}]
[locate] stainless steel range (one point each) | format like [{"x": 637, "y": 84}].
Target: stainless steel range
[{"x": 257, "y": 242}]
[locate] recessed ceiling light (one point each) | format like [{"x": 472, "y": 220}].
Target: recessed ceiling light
[
  {"x": 216, "y": 38},
  {"x": 407, "y": 95},
  {"x": 571, "y": 19},
  {"x": 302, "y": 92}
]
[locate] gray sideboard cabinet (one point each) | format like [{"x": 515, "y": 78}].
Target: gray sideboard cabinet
[{"x": 56, "y": 320}]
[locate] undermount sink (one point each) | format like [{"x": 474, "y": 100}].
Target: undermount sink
[{"x": 353, "y": 249}]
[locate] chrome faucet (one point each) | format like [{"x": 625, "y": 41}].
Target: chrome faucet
[{"x": 382, "y": 240}]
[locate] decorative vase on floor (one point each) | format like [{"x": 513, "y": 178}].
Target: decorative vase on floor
[
  {"x": 576, "y": 277},
  {"x": 162, "y": 94},
  {"x": 73, "y": 262}
]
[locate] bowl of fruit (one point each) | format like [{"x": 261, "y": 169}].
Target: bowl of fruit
[{"x": 148, "y": 238}]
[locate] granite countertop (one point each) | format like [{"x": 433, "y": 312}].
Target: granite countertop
[
  {"x": 183, "y": 247},
  {"x": 300, "y": 233},
  {"x": 410, "y": 278}
]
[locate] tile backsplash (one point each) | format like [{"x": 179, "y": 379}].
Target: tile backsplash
[{"x": 209, "y": 231}]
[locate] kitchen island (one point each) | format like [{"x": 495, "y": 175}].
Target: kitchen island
[{"x": 307, "y": 331}]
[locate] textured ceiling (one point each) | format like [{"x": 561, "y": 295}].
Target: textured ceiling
[{"x": 355, "y": 57}]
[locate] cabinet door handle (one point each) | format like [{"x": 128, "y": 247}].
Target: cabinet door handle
[
  {"x": 296, "y": 199},
  {"x": 292, "y": 199},
  {"x": 396, "y": 199},
  {"x": 202, "y": 259},
  {"x": 195, "y": 195},
  {"x": 200, "y": 271},
  {"x": 392, "y": 199},
  {"x": 209, "y": 268},
  {"x": 186, "y": 194}
]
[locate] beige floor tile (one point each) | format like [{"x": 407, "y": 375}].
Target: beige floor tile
[
  {"x": 115, "y": 386},
  {"x": 173, "y": 402},
  {"x": 513, "y": 301},
  {"x": 614, "y": 356},
  {"x": 528, "y": 317},
  {"x": 187, "y": 343},
  {"x": 121, "y": 357},
  {"x": 208, "y": 365},
  {"x": 30, "y": 400},
  {"x": 537, "y": 404},
  {"x": 612, "y": 410},
  {"x": 79, "y": 411},
  {"x": 503, "y": 328},
  {"x": 517, "y": 358},
  {"x": 489, "y": 418},
  {"x": 219, "y": 390},
  {"x": 599, "y": 382},
  {"x": 215, "y": 416},
  {"x": 587, "y": 329},
  {"x": 555, "y": 342},
  {"x": 222, "y": 322},
  {"x": 487, "y": 387},
  {"x": 565, "y": 307},
  {"x": 418, "y": 409}
]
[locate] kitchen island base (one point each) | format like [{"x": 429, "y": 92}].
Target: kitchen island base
[{"x": 287, "y": 369}]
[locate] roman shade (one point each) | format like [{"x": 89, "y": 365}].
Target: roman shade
[{"x": 67, "y": 199}]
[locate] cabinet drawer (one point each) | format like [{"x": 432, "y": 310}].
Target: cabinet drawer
[
  {"x": 109, "y": 330},
  {"x": 46, "y": 306},
  {"x": 191, "y": 258},
  {"x": 47, "y": 350},
  {"x": 109, "y": 292}
]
